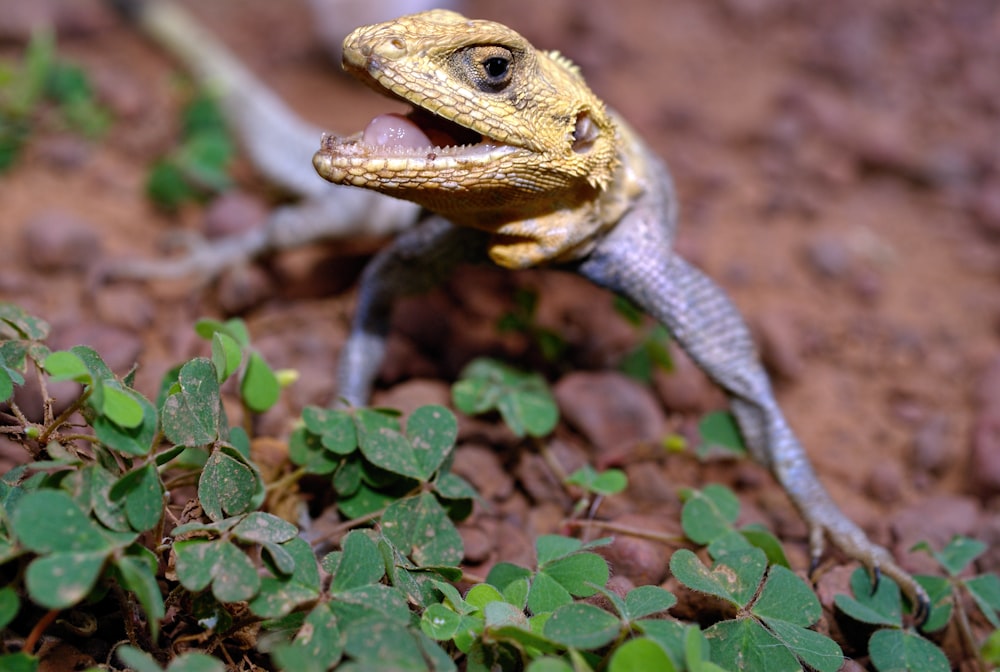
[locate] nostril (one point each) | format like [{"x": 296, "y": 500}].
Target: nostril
[{"x": 394, "y": 47}]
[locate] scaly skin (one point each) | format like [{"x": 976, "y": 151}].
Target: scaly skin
[{"x": 549, "y": 176}]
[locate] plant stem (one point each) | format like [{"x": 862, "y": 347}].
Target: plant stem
[
  {"x": 36, "y": 632},
  {"x": 64, "y": 417},
  {"x": 965, "y": 634},
  {"x": 288, "y": 479},
  {"x": 607, "y": 526}
]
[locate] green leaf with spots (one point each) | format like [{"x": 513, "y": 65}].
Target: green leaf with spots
[
  {"x": 578, "y": 573},
  {"x": 734, "y": 577},
  {"x": 193, "y": 416},
  {"x": 786, "y": 597},
  {"x": 708, "y": 513},
  {"x": 359, "y": 563},
  {"x": 261, "y": 528},
  {"x": 432, "y": 431},
  {"x": 230, "y": 572},
  {"x": 318, "y": 646},
  {"x": 48, "y": 521},
  {"x": 882, "y": 607},
  {"x": 61, "y": 579},
  {"x": 23, "y": 325},
  {"x": 142, "y": 493},
  {"x": 439, "y": 622},
  {"x": 894, "y": 650},
  {"x": 454, "y": 487},
  {"x": 582, "y": 626},
  {"x": 421, "y": 528},
  {"x": 524, "y": 400},
  {"x": 745, "y": 645},
  {"x": 550, "y": 547},
  {"x": 817, "y": 651},
  {"x": 384, "y": 446},
  {"x": 280, "y": 595},
  {"x": 646, "y": 601},
  {"x": 335, "y": 427},
  {"x": 546, "y": 594},
  {"x": 306, "y": 450},
  {"x": 365, "y": 501},
  {"x": 229, "y": 485}
]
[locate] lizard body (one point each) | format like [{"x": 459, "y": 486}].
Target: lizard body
[{"x": 521, "y": 163}]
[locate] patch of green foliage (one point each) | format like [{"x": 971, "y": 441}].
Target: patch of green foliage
[
  {"x": 92, "y": 524},
  {"x": 198, "y": 167},
  {"x": 719, "y": 434},
  {"x": 521, "y": 318},
  {"x": 44, "y": 92},
  {"x": 522, "y": 399},
  {"x": 895, "y": 647},
  {"x": 652, "y": 351}
]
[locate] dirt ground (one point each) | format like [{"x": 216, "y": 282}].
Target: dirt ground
[{"x": 838, "y": 166}]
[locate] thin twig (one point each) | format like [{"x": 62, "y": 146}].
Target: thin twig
[{"x": 631, "y": 531}]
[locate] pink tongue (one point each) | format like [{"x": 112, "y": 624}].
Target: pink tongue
[{"x": 395, "y": 130}]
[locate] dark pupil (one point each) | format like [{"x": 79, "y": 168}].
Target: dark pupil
[{"x": 496, "y": 67}]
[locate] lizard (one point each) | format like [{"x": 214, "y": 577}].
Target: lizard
[{"x": 517, "y": 161}]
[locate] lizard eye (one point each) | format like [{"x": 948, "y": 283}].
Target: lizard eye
[
  {"x": 496, "y": 68},
  {"x": 490, "y": 68}
]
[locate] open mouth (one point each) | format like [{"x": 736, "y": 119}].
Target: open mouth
[{"x": 419, "y": 133}]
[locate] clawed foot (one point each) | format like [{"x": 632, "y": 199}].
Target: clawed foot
[{"x": 877, "y": 560}]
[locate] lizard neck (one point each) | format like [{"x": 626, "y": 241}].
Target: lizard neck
[{"x": 570, "y": 232}]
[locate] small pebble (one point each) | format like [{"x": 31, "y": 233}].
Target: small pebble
[
  {"x": 481, "y": 466},
  {"x": 642, "y": 560},
  {"x": 933, "y": 449},
  {"x": 828, "y": 257},
  {"x": 885, "y": 481},
  {"x": 610, "y": 409},
  {"x": 984, "y": 463},
  {"x": 233, "y": 213},
  {"x": 242, "y": 287},
  {"x": 686, "y": 389},
  {"x": 477, "y": 543},
  {"x": 780, "y": 345},
  {"x": 56, "y": 240}
]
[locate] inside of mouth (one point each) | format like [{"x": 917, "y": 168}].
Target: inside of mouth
[{"x": 417, "y": 130}]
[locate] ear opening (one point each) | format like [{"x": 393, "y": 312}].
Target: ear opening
[{"x": 585, "y": 133}]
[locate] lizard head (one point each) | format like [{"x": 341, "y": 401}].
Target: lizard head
[{"x": 498, "y": 130}]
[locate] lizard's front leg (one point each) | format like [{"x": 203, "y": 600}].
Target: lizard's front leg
[
  {"x": 710, "y": 329},
  {"x": 415, "y": 261}
]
